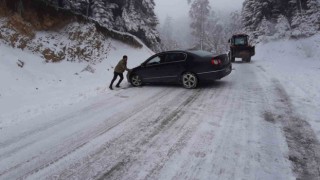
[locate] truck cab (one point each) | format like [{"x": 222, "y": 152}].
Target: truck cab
[{"x": 240, "y": 48}]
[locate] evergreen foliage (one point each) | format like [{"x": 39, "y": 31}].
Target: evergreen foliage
[
  {"x": 285, "y": 18},
  {"x": 133, "y": 16},
  {"x": 199, "y": 12},
  {"x": 168, "y": 42}
]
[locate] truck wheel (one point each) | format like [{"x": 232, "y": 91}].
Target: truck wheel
[
  {"x": 232, "y": 59},
  {"x": 246, "y": 59}
]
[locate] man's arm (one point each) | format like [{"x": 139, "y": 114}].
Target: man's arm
[{"x": 124, "y": 66}]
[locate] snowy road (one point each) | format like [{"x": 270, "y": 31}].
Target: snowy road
[{"x": 242, "y": 127}]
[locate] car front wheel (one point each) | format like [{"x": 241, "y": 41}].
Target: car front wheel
[
  {"x": 189, "y": 80},
  {"x": 136, "y": 80}
]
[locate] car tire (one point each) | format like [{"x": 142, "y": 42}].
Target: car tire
[
  {"x": 189, "y": 80},
  {"x": 249, "y": 59},
  {"x": 136, "y": 80}
]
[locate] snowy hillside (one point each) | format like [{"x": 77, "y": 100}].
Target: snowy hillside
[
  {"x": 296, "y": 64},
  {"x": 261, "y": 122},
  {"x": 39, "y": 87}
]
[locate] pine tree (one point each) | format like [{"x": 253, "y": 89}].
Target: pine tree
[
  {"x": 199, "y": 13},
  {"x": 282, "y": 27},
  {"x": 167, "y": 39},
  {"x": 214, "y": 32},
  {"x": 133, "y": 16},
  {"x": 102, "y": 12},
  {"x": 252, "y": 16},
  {"x": 303, "y": 16},
  {"x": 235, "y": 25}
]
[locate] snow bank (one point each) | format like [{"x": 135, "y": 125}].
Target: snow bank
[
  {"x": 294, "y": 49},
  {"x": 296, "y": 64},
  {"x": 39, "y": 87}
]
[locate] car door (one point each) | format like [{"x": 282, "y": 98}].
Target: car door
[
  {"x": 174, "y": 65},
  {"x": 152, "y": 68}
]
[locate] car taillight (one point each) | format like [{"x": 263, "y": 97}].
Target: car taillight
[{"x": 215, "y": 61}]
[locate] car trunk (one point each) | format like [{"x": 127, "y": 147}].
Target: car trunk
[{"x": 210, "y": 63}]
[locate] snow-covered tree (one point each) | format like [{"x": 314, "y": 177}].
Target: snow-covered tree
[
  {"x": 138, "y": 18},
  {"x": 102, "y": 12},
  {"x": 166, "y": 34},
  {"x": 199, "y": 13},
  {"x": 214, "y": 33},
  {"x": 282, "y": 27},
  {"x": 133, "y": 16},
  {"x": 235, "y": 25},
  {"x": 265, "y": 28},
  {"x": 303, "y": 16},
  {"x": 251, "y": 15}
]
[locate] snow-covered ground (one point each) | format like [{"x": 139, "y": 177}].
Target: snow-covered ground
[
  {"x": 296, "y": 65},
  {"x": 41, "y": 87},
  {"x": 261, "y": 122}
]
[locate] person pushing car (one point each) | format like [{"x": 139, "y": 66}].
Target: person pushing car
[{"x": 118, "y": 71}]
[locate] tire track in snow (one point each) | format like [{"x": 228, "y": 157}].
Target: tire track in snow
[
  {"x": 233, "y": 141},
  {"x": 24, "y": 135},
  {"x": 187, "y": 129},
  {"x": 163, "y": 122},
  {"x": 136, "y": 142},
  {"x": 304, "y": 147},
  {"x": 136, "y": 110},
  {"x": 61, "y": 153}
]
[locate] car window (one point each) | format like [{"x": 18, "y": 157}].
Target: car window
[
  {"x": 156, "y": 60},
  {"x": 240, "y": 41},
  {"x": 172, "y": 57},
  {"x": 202, "y": 53}
]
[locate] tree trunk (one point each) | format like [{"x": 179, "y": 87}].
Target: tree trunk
[
  {"x": 300, "y": 6},
  {"x": 60, "y": 3},
  {"x": 20, "y": 7},
  {"x": 88, "y": 13}
]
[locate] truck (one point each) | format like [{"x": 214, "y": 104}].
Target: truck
[{"x": 240, "y": 48}]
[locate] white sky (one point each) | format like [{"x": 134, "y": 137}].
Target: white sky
[{"x": 180, "y": 8}]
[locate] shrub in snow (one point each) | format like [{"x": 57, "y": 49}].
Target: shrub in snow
[{"x": 20, "y": 63}]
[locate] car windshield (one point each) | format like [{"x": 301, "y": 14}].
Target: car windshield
[{"x": 240, "y": 41}]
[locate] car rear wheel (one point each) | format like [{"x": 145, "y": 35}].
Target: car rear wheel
[
  {"x": 136, "y": 80},
  {"x": 189, "y": 80}
]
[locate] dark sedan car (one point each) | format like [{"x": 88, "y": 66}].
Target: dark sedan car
[{"x": 185, "y": 67}]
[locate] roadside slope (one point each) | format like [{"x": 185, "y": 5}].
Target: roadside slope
[
  {"x": 296, "y": 65},
  {"x": 39, "y": 87}
]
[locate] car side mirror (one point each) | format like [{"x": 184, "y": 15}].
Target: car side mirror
[{"x": 229, "y": 41}]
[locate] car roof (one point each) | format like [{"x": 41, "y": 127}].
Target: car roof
[
  {"x": 195, "y": 52},
  {"x": 174, "y": 51}
]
